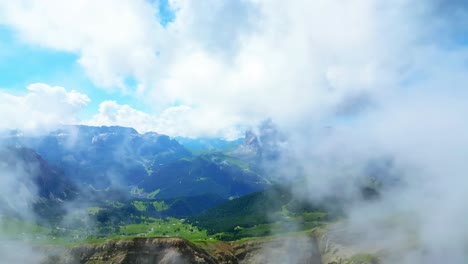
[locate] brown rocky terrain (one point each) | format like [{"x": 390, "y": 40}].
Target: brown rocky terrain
[{"x": 315, "y": 248}]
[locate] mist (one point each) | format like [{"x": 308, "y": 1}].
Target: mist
[{"x": 18, "y": 194}]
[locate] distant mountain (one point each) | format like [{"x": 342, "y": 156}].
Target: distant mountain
[
  {"x": 102, "y": 160},
  {"x": 250, "y": 148},
  {"x": 275, "y": 204},
  {"x": 34, "y": 173},
  {"x": 214, "y": 173},
  {"x": 269, "y": 152},
  {"x": 104, "y": 156},
  {"x": 267, "y": 143},
  {"x": 31, "y": 187},
  {"x": 203, "y": 145}
]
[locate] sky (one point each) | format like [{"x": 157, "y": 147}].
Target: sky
[{"x": 216, "y": 68}]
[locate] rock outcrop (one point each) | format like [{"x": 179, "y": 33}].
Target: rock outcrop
[
  {"x": 138, "y": 250},
  {"x": 316, "y": 248}
]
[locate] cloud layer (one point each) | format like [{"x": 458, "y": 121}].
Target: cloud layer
[
  {"x": 114, "y": 39},
  {"x": 41, "y": 108},
  {"x": 235, "y": 63}
]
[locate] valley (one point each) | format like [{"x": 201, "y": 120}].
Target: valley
[{"x": 102, "y": 193}]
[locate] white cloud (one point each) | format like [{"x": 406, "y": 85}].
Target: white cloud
[
  {"x": 426, "y": 137},
  {"x": 174, "y": 121},
  {"x": 244, "y": 60},
  {"x": 199, "y": 122},
  {"x": 113, "y": 114},
  {"x": 42, "y": 107},
  {"x": 114, "y": 39}
]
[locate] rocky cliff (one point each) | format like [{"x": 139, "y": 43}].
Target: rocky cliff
[
  {"x": 315, "y": 248},
  {"x": 138, "y": 250}
]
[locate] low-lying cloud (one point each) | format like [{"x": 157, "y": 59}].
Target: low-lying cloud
[{"x": 43, "y": 107}]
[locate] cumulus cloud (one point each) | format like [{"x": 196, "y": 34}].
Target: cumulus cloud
[
  {"x": 112, "y": 114},
  {"x": 174, "y": 121},
  {"x": 246, "y": 59},
  {"x": 42, "y": 107},
  {"x": 115, "y": 40},
  {"x": 300, "y": 60},
  {"x": 198, "y": 122}
]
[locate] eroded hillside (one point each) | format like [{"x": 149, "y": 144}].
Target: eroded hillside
[{"x": 314, "y": 248}]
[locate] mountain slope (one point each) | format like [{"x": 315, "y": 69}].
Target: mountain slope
[
  {"x": 104, "y": 156},
  {"x": 108, "y": 160},
  {"x": 204, "y": 145},
  {"x": 275, "y": 204},
  {"x": 32, "y": 170},
  {"x": 212, "y": 173},
  {"x": 31, "y": 188}
]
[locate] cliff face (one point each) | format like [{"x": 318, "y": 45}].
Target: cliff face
[
  {"x": 337, "y": 245},
  {"x": 138, "y": 250},
  {"x": 276, "y": 251},
  {"x": 317, "y": 248}
]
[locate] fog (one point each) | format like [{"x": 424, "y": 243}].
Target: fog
[{"x": 18, "y": 192}]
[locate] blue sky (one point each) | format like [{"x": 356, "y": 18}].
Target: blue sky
[
  {"x": 214, "y": 68},
  {"x": 22, "y": 63}
]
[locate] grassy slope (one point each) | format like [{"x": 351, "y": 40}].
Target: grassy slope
[{"x": 260, "y": 214}]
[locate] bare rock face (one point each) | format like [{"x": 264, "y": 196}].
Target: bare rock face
[
  {"x": 295, "y": 250},
  {"x": 316, "y": 248},
  {"x": 138, "y": 250},
  {"x": 337, "y": 245}
]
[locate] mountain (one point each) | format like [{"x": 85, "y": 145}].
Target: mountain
[
  {"x": 25, "y": 166},
  {"x": 31, "y": 188},
  {"x": 103, "y": 161},
  {"x": 292, "y": 249},
  {"x": 266, "y": 144},
  {"x": 250, "y": 147},
  {"x": 257, "y": 211},
  {"x": 204, "y": 145},
  {"x": 214, "y": 173},
  {"x": 104, "y": 156}
]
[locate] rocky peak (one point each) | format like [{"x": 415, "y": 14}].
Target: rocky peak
[{"x": 266, "y": 143}]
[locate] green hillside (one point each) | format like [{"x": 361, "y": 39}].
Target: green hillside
[{"x": 271, "y": 211}]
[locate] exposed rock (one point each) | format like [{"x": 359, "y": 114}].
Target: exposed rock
[
  {"x": 47, "y": 181},
  {"x": 294, "y": 249},
  {"x": 338, "y": 246},
  {"x": 265, "y": 144},
  {"x": 315, "y": 248},
  {"x": 138, "y": 250}
]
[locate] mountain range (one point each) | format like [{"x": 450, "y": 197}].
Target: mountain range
[{"x": 98, "y": 163}]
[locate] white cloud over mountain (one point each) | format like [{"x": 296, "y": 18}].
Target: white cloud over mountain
[
  {"x": 42, "y": 107},
  {"x": 243, "y": 61},
  {"x": 176, "y": 120},
  {"x": 111, "y": 113}
]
